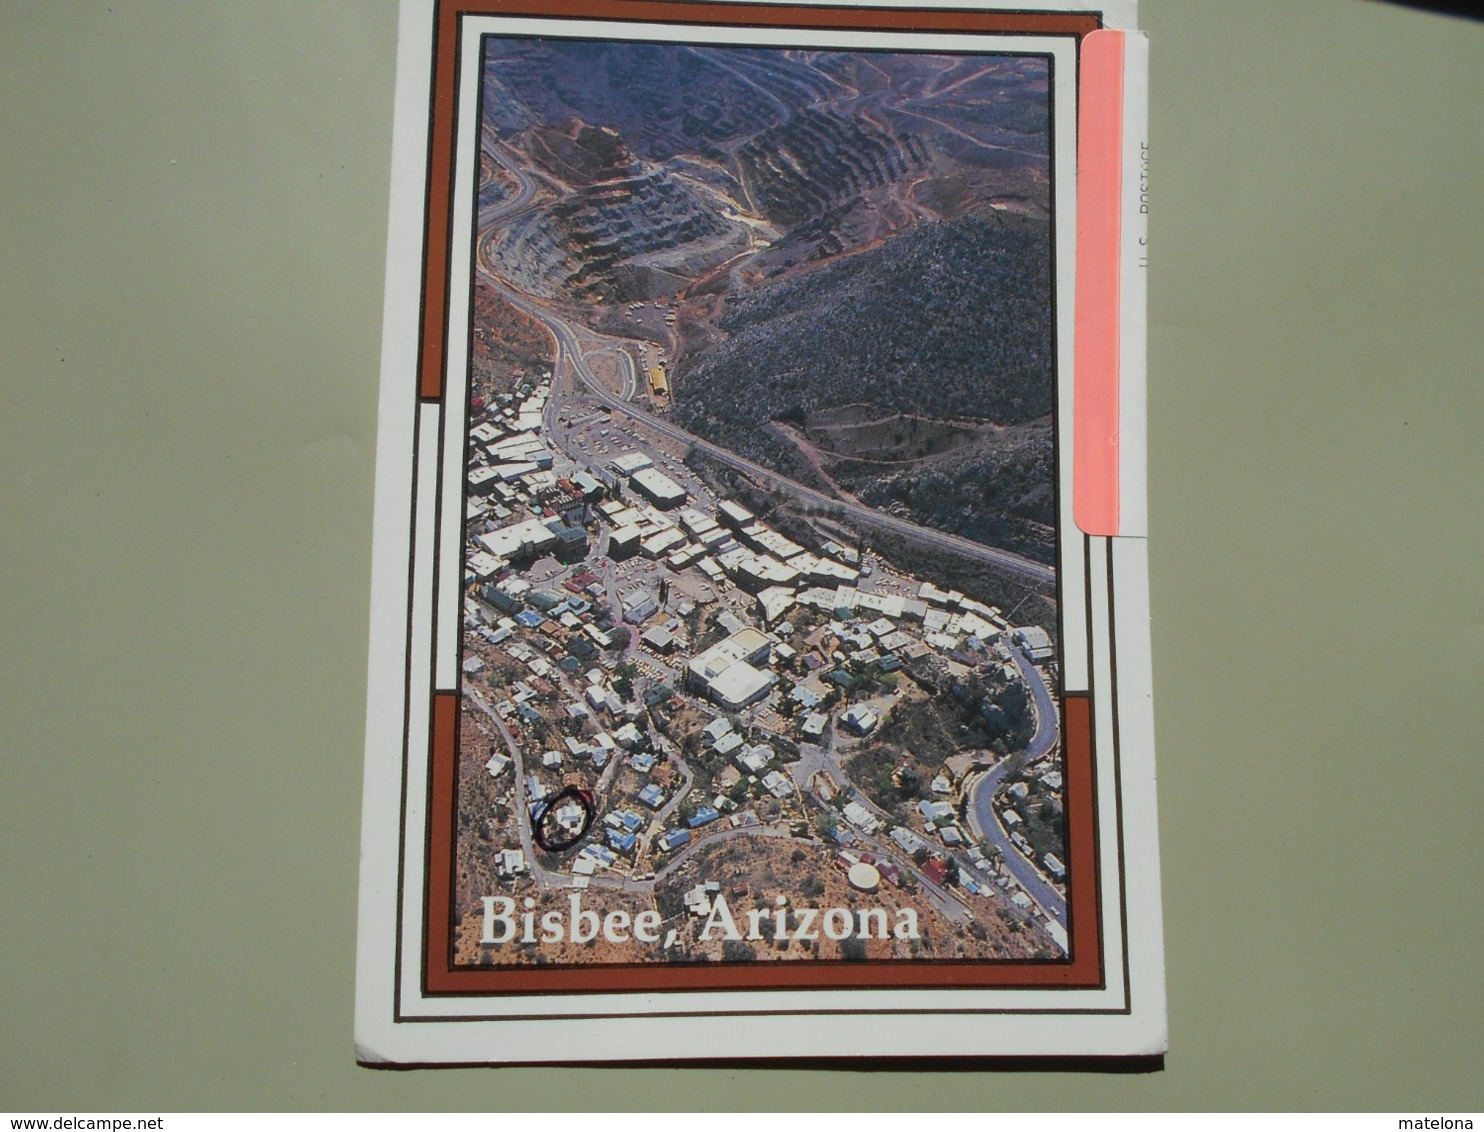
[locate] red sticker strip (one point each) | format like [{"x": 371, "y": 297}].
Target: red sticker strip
[{"x": 1099, "y": 235}]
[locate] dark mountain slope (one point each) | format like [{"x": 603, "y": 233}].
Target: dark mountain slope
[{"x": 951, "y": 321}]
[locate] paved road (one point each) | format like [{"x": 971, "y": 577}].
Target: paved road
[
  {"x": 663, "y": 815},
  {"x": 986, "y": 823},
  {"x": 812, "y": 759},
  {"x": 525, "y": 187},
  {"x": 1047, "y": 729},
  {"x": 719, "y": 835}
]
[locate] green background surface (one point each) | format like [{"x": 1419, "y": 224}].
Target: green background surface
[{"x": 194, "y": 208}]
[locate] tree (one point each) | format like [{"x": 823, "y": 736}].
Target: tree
[
  {"x": 624, "y": 672},
  {"x": 737, "y": 951},
  {"x": 1014, "y": 767}
]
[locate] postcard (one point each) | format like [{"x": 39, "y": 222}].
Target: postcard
[{"x": 759, "y": 652}]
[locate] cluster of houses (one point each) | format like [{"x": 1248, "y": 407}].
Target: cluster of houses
[
  {"x": 1018, "y": 794},
  {"x": 730, "y": 546},
  {"x": 510, "y": 467},
  {"x": 936, "y": 866},
  {"x": 524, "y": 504},
  {"x": 755, "y": 763},
  {"x": 941, "y": 838},
  {"x": 624, "y": 827},
  {"x": 564, "y": 630}
]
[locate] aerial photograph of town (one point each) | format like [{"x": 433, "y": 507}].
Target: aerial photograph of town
[{"x": 760, "y": 642}]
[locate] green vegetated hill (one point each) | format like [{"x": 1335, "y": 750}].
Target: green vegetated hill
[
  {"x": 999, "y": 490},
  {"x": 952, "y": 320},
  {"x": 937, "y": 332}
]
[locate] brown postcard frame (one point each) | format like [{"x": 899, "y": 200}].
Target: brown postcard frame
[{"x": 1085, "y": 968}]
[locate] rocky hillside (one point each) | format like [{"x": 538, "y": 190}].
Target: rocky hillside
[
  {"x": 949, "y": 321},
  {"x": 665, "y": 162}
]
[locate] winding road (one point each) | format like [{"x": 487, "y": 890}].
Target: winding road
[{"x": 982, "y": 818}]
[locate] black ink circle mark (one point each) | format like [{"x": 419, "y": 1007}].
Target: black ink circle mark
[{"x": 546, "y": 830}]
